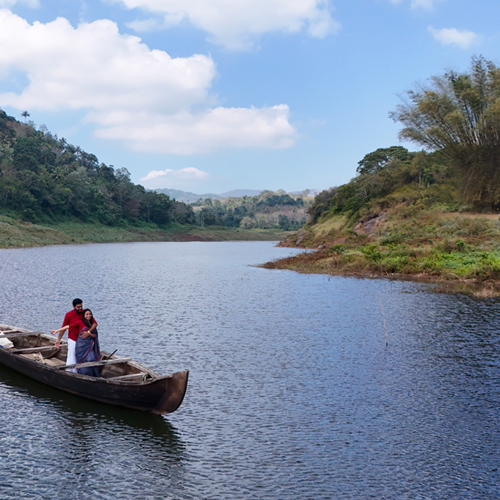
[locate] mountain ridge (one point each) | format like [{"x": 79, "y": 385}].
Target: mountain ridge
[{"x": 190, "y": 197}]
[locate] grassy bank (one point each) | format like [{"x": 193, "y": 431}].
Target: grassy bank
[
  {"x": 15, "y": 233},
  {"x": 460, "y": 251}
]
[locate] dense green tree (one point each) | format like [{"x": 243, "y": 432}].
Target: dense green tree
[
  {"x": 31, "y": 153},
  {"x": 322, "y": 203},
  {"x": 377, "y": 160},
  {"x": 183, "y": 213},
  {"x": 419, "y": 169},
  {"x": 7, "y": 133}
]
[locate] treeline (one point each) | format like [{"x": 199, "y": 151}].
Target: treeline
[
  {"x": 267, "y": 210},
  {"x": 43, "y": 178},
  {"x": 456, "y": 119},
  {"x": 386, "y": 177}
]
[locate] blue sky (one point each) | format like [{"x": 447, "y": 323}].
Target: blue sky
[{"x": 215, "y": 95}]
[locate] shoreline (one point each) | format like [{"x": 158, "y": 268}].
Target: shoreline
[
  {"x": 20, "y": 234},
  {"x": 479, "y": 288},
  {"x": 459, "y": 252}
]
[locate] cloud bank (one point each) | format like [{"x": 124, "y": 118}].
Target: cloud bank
[
  {"x": 419, "y": 4},
  {"x": 145, "y": 97},
  {"x": 237, "y": 24},
  {"x": 175, "y": 179}
]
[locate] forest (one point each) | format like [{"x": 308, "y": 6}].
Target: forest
[
  {"x": 268, "y": 210},
  {"x": 45, "y": 179}
]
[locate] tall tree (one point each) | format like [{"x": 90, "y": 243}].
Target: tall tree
[
  {"x": 377, "y": 160},
  {"x": 459, "y": 115}
]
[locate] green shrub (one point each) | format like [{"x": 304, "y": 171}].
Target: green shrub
[
  {"x": 395, "y": 264},
  {"x": 393, "y": 238},
  {"x": 372, "y": 252},
  {"x": 336, "y": 249}
]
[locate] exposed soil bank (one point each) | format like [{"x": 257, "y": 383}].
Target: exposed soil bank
[
  {"x": 458, "y": 252},
  {"x": 15, "y": 234},
  {"x": 475, "y": 288}
]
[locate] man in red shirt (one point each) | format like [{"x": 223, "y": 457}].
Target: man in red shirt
[{"x": 71, "y": 323}]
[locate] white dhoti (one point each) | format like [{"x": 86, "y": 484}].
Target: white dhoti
[{"x": 71, "y": 357}]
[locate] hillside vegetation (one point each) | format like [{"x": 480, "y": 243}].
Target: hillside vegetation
[
  {"x": 268, "y": 210},
  {"x": 52, "y": 192},
  {"x": 432, "y": 213},
  {"x": 43, "y": 179}
]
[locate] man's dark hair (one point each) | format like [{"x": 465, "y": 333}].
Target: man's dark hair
[{"x": 77, "y": 301}]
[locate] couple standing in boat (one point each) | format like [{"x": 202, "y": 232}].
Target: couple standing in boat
[{"x": 83, "y": 341}]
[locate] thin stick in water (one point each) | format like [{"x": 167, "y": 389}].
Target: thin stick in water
[{"x": 385, "y": 326}]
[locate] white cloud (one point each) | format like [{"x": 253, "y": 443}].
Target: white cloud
[
  {"x": 174, "y": 179},
  {"x": 94, "y": 66},
  {"x": 33, "y": 4},
  {"x": 451, "y": 36},
  {"x": 419, "y": 4},
  {"x": 193, "y": 133},
  {"x": 236, "y": 24},
  {"x": 145, "y": 97},
  {"x": 145, "y": 26}
]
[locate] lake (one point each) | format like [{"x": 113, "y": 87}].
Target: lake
[{"x": 293, "y": 392}]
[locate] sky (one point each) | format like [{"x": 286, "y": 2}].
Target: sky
[{"x": 210, "y": 96}]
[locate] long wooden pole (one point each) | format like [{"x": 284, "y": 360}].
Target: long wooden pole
[
  {"x": 95, "y": 363},
  {"x": 385, "y": 326}
]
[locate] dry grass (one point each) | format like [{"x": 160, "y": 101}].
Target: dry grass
[
  {"x": 24, "y": 234},
  {"x": 328, "y": 227},
  {"x": 14, "y": 233},
  {"x": 452, "y": 248}
]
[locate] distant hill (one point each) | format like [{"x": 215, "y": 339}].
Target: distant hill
[
  {"x": 185, "y": 196},
  {"x": 188, "y": 197},
  {"x": 265, "y": 210},
  {"x": 312, "y": 192},
  {"x": 238, "y": 193}
]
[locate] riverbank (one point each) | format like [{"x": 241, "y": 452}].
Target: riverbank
[
  {"x": 15, "y": 234},
  {"x": 459, "y": 252}
]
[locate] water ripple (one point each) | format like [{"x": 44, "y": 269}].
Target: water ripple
[{"x": 293, "y": 392}]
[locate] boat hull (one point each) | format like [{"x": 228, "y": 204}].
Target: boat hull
[{"x": 159, "y": 395}]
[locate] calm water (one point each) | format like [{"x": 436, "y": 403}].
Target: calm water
[{"x": 293, "y": 393}]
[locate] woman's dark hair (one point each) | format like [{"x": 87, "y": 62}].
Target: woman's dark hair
[{"x": 87, "y": 323}]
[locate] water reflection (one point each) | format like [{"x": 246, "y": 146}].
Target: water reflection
[{"x": 96, "y": 445}]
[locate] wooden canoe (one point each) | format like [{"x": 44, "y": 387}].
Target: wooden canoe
[{"x": 123, "y": 382}]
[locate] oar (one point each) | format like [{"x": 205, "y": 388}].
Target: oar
[
  {"x": 104, "y": 358},
  {"x": 110, "y": 356}
]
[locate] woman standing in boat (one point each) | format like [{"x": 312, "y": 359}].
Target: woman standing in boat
[
  {"x": 87, "y": 346},
  {"x": 71, "y": 324}
]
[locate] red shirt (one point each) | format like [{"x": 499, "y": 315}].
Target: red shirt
[{"x": 74, "y": 320}]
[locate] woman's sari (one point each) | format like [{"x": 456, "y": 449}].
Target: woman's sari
[{"x": 88, "y": 350}]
